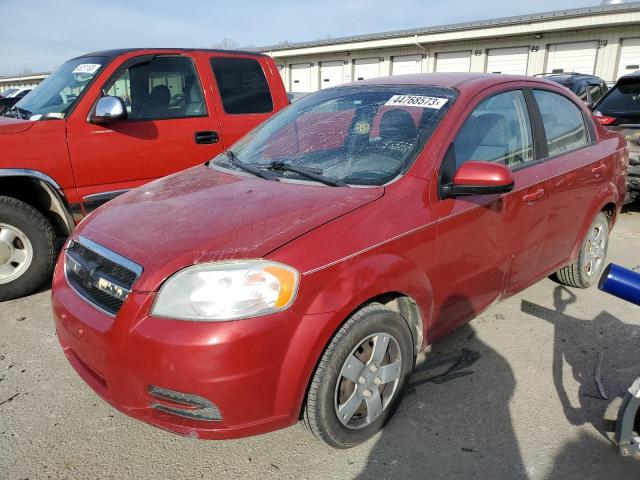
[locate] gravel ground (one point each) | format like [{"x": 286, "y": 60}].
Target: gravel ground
[{"x": 522, "y": 403}]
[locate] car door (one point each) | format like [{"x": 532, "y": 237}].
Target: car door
[
  {"x": 576, "y": 172},
  {"x": 490, "y": 243},
  {"x": 240, "y": 87},
  {"x": 170, "y": 126}
]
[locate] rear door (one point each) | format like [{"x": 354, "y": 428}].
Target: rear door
[
  {"x": 575, "y": 168},
  {"x": 491, "y": 243},
  {"x": 241, "y": 92},
  {"x": 168, "y": 112}
]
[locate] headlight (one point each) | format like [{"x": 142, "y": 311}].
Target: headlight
[{"x": 227, "y": 291}]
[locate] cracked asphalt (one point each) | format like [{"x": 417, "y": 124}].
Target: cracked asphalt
[{"x": 511, "y": 395}]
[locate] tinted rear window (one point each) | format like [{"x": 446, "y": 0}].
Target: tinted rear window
[
  {"x": 242, "y": 85},
  {"x": 622, "y": 98}
]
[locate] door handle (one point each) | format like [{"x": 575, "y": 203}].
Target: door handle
[
  {"x": 597, "y": 171},
  {"x": 206, "y": 137},
  {"x": 533, "y": 197}
]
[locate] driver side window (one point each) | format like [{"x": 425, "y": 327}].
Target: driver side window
[
  {"x": 165, "y": 87},
  {"x": 498, "y": 131}
]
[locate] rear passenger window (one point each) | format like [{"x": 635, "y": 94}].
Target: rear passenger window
[
  {"x": 563, "y": 122},
  {"x": 242, "y": 85},
  {"x": 498, "y": 131}
]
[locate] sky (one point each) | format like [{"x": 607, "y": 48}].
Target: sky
[{"x": 39, "y": 35}]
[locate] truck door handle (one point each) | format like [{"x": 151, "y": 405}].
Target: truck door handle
[
  {"x": 597, "y": 171},
  {"x": 534, "y": 197},
  {"x": 206, "y": 137}
]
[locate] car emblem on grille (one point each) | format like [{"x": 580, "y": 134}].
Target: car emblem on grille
[{"x": 89, "y": 274}]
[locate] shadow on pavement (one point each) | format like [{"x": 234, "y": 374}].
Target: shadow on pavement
[
  {"x": 454, "y": 422},
  {"x": 578, "y": 343}
]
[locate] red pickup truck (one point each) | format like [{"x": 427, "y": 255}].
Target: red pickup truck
[{"x": 109, "y": 121}]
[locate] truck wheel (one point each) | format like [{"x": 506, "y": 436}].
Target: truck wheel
[
  {"x": 586, "y": 270},
  {"x": 27, "y": 248},
  {"x": 360, "y": 378}
]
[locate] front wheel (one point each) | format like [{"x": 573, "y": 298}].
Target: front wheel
[
  {"x": 586, "y": 270},
  {"x": 360, "y": 378},
  {"x": 27, "y": 248}
]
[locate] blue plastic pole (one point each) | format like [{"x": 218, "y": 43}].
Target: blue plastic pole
[{"x": 621, "y": 282}]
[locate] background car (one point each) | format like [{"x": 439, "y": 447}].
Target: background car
[
  {"x": 589, "y": 88},
  {"x": 15, "y": 92},
  {"x": 619, "y": 110}
]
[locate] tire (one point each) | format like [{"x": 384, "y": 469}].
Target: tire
[
  {"x": 27, "y": 249},
  {"x": 354, "y": 342},
  {"x": 586, "y": 270}
]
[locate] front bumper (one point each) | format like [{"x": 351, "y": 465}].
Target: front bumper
[{"x": 252, "y": 372}]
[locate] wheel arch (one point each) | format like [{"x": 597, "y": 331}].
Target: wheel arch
[
  {"x": 41, "y": 192},
  {"x": 403, "y": 288},
  {"x": 605, "y": 202}
]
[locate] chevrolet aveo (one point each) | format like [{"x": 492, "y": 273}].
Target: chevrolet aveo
[{"x": 297, "y": 275}]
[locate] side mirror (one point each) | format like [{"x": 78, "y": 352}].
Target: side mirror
[
  {"x": 109, "y": 109},
  {"x": 480, "y": 178}
]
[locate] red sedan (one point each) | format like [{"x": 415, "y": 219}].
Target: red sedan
[{"x": 298, "y": 274}]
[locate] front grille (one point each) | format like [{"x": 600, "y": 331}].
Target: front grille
[{"x": 100, "y": 276}]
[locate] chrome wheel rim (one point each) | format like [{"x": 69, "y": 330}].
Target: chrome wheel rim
[
  {"x": 595, "y": 250},
  {"x": 16, "y": 253},
  {"x": 368, "y": 381}
]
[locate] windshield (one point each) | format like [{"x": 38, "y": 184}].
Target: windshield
[
  {"x": 6, "y": 93},
  {"x": 624, "y": 97},
  {"x": 57, "y": 93},
  {"x": 358, "y": 135}
]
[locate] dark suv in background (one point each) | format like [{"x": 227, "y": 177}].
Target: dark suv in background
[
  {"x": 619, "y": 110},
  {"x": 589, "y": 88}
]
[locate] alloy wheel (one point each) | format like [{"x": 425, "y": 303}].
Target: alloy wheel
[
  {"x": 16, "y": 253},
  {"x": 368, "y": 380}
]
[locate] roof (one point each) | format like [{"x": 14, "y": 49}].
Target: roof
[
  {"x": 513, "y": 20},
  {"x": 119, "y": 51},
  {"x": 450, "y": 80}
]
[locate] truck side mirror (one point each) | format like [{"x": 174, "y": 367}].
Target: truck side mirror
[{"x": 109, "y": 109}]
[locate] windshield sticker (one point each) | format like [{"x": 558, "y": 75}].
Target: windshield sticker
[
  {"x": 362, "y": 127},
  {"x": 86, "y": 68},
  {"x": 417, "y": 101}
]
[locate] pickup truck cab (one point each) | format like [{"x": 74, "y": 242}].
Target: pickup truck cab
[{"x": 109, "y": 121}]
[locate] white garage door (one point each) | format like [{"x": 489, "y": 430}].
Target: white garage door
[
  {"x": 577, "y": 57},
  {"x": 330, "y": 74},
  {"x": 364, "y": 68},
  {"x": 629, "y": 56},
  {"x": 511, "y": 61},
  {"x": 301, "y": 77},
  {"x": 406, "y": 64},
  {"x": 453, "y": 61}
]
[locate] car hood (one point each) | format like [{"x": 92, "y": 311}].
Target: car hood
[
  {"x": 14, "y": 125},
  {"x": 204, "y": 215}
]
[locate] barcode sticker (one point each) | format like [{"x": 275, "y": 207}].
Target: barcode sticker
[
  {"x": 86, "y": 68},
  {"x": 417, "y": 101}
]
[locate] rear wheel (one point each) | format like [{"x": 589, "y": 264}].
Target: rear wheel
[
  {"x": 586, "y": 270},
  {"x": 27, "y": 248},
  {"x": 360, "y": 378}
]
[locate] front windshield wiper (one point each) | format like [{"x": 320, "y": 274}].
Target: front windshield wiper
[
  {"x": 312, "y": 173},
  {"x": 247, "y": 168}
]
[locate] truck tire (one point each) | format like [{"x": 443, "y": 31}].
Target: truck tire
[
  {"x": 586, "y": 270},
  {"x": 360, "y": 378},
  {"x": 27, "y": 249}
]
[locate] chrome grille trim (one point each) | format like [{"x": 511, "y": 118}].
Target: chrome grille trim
[{"x": 101, "y": 277}]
